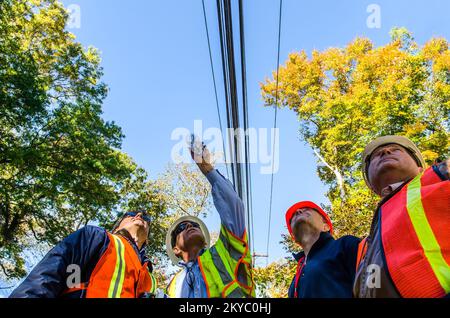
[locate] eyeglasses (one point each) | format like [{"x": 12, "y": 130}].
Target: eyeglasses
[
  {"x": 181, "y": 227},
  {"x": 145, "y": 216}
]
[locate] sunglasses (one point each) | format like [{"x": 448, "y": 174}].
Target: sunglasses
[
  {"x": 145, "y": 217},
  {"x": 180, "y": 228}
]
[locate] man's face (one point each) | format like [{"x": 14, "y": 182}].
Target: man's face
[
  {"x": 390, "y": 164},
  {"x": 135, "y": 221},
  {"x": 190, "y": 236},
  {"x": 308, "y": 216}
]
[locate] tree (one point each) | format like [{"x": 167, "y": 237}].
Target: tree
[
  {"x": 273, "y": 281},
  {"x": 60, "y": 163},
  {"x": 185, "y": 191},
  {"x": 344, "y": 98}
]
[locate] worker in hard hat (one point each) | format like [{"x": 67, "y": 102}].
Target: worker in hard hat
[
  {"x": 224, "y": 269},
  {"x": 407, "y": 253},
  {"x": 95, "y": 263},
  {"x": 325, "y": 266}
]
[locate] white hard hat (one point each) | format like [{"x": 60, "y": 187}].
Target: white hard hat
[{"x": 175, "y": 259}]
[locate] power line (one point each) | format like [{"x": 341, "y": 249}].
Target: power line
[
  {"x": 241, "y": 171},
  {"x": 228, "y": 65},
  {"x": 246, "y": 124},
  {"x": 215, "y": 86},
  {"x": 275, "y": 126},
  {"x": 224, "y": 56},
  {"x": 233, "y": 94}
]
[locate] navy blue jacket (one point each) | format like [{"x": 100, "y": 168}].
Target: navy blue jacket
[
  {"x": 330, "y": 268},
  {"x": 83, "y": 248}
]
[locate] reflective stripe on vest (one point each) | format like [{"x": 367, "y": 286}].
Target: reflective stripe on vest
[
  {"x": 219, "y": 266},
  {"x": 115, "y": 287},
  {"x": 154, "y": 284},
  {"x": 223, "y": 263},
  {"x": 425, "y": 234},
  {"x": 415, "y": 227}
]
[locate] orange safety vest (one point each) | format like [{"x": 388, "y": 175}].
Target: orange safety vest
[
  {"x": 415, "y": 234},
  {"x": 119, "y": 273}
]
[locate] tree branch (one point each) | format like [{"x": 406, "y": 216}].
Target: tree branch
[{"x": 339, "y": 178}]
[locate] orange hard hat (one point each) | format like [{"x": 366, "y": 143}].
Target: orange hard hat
[{"x": 306, "y": 204}]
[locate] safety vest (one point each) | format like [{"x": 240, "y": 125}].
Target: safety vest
[
  {"x": 221, "y": 265},
  {"x": 415, "y": 234},
  {"x": 119, "y": 273}
]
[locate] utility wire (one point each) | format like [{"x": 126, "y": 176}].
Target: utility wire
[
  {"x": 239, "y": 170},
  {"x": 275, "y": 126},
  {"x": 233, "y": 94},
  {"x": 246, "y": 125},
  {"x": 215, "y": 87},
  {"x": 224, "y": 55}
]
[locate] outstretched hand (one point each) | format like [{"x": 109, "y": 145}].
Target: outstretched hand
[{"x": 202, "y": 157}]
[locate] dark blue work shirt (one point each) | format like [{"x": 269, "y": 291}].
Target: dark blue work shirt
[{"x": 329, "y": 270}]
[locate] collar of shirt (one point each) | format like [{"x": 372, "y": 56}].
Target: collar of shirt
[
  {"x": 442, "y": 169},
  {"x": 189, "y": 264},
  {"x": 390, "y": 188}
]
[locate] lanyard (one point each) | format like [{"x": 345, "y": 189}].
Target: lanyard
[{"x": 300, "y": 265}]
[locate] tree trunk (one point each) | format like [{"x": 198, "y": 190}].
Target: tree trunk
[{"x": 337, "y": 173}]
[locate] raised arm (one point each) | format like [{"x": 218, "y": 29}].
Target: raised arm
[
  {"x": 227, "y": 203},
  {"x": 225, "y": 198}
]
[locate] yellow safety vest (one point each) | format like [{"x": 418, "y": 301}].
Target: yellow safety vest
[{"x": 226, "y": 268}]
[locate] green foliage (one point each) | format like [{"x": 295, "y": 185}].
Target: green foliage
[
  {"x": 185, "y": 191},
  {"x": 273, "y": 281},
  {"x": 60, "y": 166}
]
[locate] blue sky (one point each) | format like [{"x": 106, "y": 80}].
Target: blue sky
[{"x": 156, "y": 64}]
